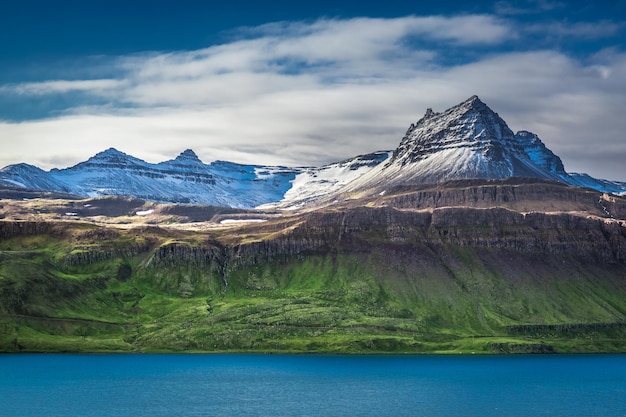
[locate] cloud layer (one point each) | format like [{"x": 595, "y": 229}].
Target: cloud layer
[{"x": 309, "y": 93}]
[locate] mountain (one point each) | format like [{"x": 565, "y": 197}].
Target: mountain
[
  {"x": 470, "y": 141},
  {"x": 467, "y": 141},
  {"x": 184, "y": 179}
]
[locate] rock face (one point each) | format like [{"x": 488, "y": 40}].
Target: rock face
[
  {"x": 522, "y": 195},
  {"x": 591, "y": 239},
  {"x": 466, "y": 141},
  {"x": 176, "y": 254},
  {"x": 14, "y": 229},
  {"x": 540, "y": 154}
]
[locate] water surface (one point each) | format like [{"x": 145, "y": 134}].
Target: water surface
[{"x": 299, "y": 385}]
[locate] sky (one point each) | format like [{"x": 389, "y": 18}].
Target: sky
[{"x": 304, "y": 83}]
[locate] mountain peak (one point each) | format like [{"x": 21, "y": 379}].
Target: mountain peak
[
  {"x": 473, "y": 101},
  {"x": 429, "y": 113},
  {"x": 468, "y": 140},
  {"x": 110, "y": 154},
  {"x": 111, "y": 158},
  {"x": 472, "y": 104},
  {"x": 470, "y": 124},
  {"x": 188, "y": 155}
]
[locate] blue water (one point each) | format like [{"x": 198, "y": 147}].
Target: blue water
[{"x": 291, "y": 385}]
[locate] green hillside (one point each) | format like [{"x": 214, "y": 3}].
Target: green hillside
[{"x": 381, "y": 285}]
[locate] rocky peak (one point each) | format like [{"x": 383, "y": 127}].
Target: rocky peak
[
  {"x": 186, "y": 160},
  {"x": 429, "y": 113},
  {"x": 470, "y": 124},
  {"x": 466, "y": 141},
  {"x": 110, "y": 158},
  {"x": 473, "y": 103},
  {"x": 109, "y": 154},
  {"x": 22, "y": 167},
  {"x": 188, "y": 156}
]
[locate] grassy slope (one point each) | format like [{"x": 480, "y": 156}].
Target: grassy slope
[{"x": 384, "y": 298}]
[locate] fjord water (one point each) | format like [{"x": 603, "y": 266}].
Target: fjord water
[{"x": 288, "y": 385}]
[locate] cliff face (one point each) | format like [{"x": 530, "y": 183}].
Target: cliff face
[
  {"x": 592, "y": 239},
  {"x": 10, "y": 229},
  {"x": 176, "y": 254},
  {"x": 514, "y": 193}
]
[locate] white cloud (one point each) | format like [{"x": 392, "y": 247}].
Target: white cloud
[
  {"x": 468, "y": 29},
  {"x": 64, "y": 86},
  {"x": 313, "y": 93}
]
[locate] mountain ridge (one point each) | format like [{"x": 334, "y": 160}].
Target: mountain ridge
[{"x": 468, "y": 140}]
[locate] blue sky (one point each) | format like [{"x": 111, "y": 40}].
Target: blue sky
[{"x": 304, "y": 83}]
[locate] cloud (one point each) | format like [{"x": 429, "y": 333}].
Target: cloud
[
  {"x": 64, "y": 86},
  {"x": 309, "y": 93},
  {"x": 283, "y": 56},
  {"x": 468, "y": 29}
]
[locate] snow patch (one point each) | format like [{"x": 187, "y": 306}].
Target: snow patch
[
  {"x": 314, "y": 183},
  {"x": 233, "y": 221},
  {"x": 19, "y": 184}
]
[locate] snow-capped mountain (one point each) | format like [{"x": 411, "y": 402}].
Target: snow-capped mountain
[
  {"x": 29, "y": 176},
  {"x": 468, "y": 140},
  {"x": 186, "y": 179}
]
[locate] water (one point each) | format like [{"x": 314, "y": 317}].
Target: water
[{"x": 291, "y": 385}]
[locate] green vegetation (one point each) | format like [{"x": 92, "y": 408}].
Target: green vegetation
[{"x": 376, "y": 297}]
